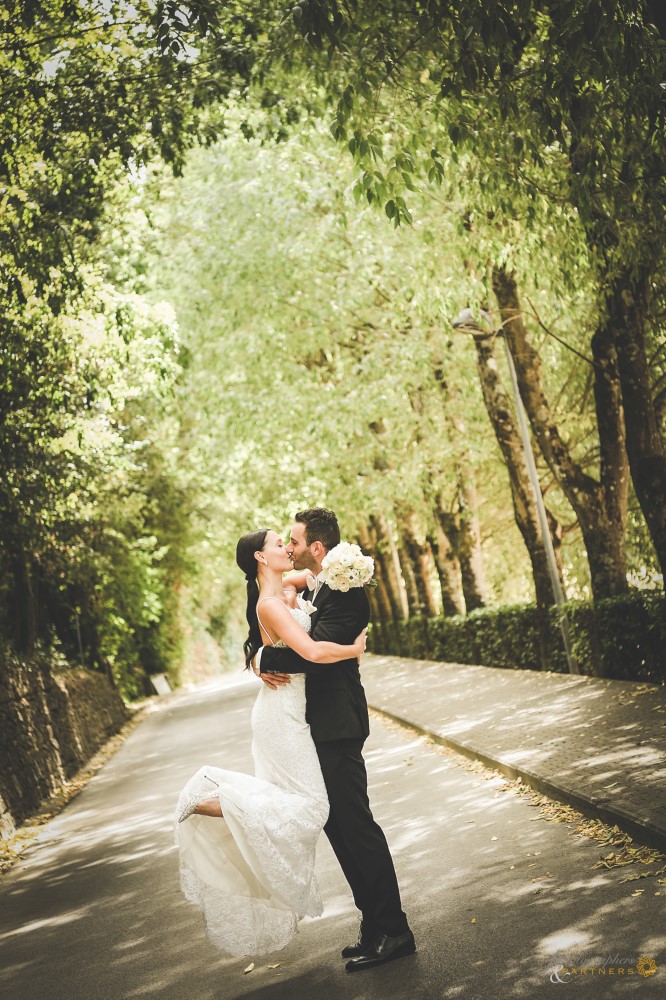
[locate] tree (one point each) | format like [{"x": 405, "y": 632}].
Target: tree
[
  {"x": 89, "y": 92},
  {"x": 305, "y": 300},
  {"x": 576, "y": 81},
  {"x": 500, "y": 411},
  {"x": 600, "y": 505}
]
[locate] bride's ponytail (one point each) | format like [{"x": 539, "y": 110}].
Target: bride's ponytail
[{"x": 247, "y": 546}]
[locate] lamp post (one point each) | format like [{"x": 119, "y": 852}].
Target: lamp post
[{"x": 468, "y": 323}]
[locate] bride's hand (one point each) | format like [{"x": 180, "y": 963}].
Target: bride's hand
[{"x": 359, "y": 642}]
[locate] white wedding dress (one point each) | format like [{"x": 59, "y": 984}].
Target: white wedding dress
[{"x": 252, "y": 872}]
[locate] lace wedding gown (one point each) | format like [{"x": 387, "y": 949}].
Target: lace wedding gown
[{"x": 252, "y": 872}]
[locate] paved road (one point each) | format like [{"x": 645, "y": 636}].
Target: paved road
[
  {"x": 494, "y": 893},
  {"x": 597, "y": 744}
]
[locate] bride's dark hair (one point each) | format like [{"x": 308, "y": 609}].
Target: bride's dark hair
[{"x": 247, "y": 546}]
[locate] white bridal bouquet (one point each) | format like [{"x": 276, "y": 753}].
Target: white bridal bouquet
[{"x": 345, "y": 567}]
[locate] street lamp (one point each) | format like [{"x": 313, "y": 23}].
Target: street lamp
[{"x": 482, "y": 326}]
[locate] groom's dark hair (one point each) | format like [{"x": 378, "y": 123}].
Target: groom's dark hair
[{"x": 321, "y": 525}]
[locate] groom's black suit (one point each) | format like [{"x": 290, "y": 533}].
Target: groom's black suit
[{"x": 337, "y": 712}]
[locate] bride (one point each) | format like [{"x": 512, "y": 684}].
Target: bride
[{"x": 247, "y": 844}]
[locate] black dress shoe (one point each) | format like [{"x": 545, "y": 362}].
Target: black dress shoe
[
  {"x": 383, "y": 949},
  {"x": 364, "y": 943},
  {"x": 353, "y": 950}
]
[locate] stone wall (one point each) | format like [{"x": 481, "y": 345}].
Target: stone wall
[{"x": 50, "y": 726}]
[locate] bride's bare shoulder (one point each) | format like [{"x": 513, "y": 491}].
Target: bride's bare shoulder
[{"x": 272, "y": 607}]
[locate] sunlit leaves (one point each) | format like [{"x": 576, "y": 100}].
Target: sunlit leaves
[{"x": 308, "y": 300}]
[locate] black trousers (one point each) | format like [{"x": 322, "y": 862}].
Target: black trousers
[{"x": 358, "y": 841}]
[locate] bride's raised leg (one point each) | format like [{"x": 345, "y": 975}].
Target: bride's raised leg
[
  {"x": 209, "y": 807},
  {"x": 198, "y": 804}
]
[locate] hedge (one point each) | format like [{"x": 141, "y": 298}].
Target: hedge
[{"x": 623, "y": 638}]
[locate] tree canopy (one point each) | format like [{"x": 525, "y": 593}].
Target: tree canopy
[{"x": 205, "y": 321}]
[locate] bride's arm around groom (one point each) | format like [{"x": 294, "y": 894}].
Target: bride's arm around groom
[{"x": 339, "y": 617}]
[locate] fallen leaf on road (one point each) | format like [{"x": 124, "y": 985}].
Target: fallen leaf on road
[
  {"x": 276, "y": 966},
  {"x": 632, "y": 855},
  {"x": 249, "y": 968},
  {"x": 605, "y": 835},
  {"x": 12, "y": 848},
  {"x": 473, "y": 920}
]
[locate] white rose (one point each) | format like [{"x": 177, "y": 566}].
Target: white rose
[{"x": 345, "y": 567}]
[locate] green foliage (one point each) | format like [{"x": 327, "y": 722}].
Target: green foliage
[
  {"x": 92, "y": 513},
  {"x": 92, "y": 536},
  {"x": 631, "y": 636},
  {"x": 314, "y": 342},
  {"x": 315, "y": 338},
  {"x": 313, "y": 333},
  {"x": 516, "y": 84},
  {"x": 621, "y": 638}
]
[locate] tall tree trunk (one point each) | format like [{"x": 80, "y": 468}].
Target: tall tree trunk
[
  {"x": 381, "y": 605},
  {"x": 423, "y": 565},
  {"x": 381, "y": 598},
  {"x": 448, "y": 570},
  {"x": 502, "y": 419},
  {"x": 627, "y": 308},
  {"x": 375, "y": 614},
  {"x": 600, "y": 506},
  {"x": 408, "y": 576},
  {"x": 465, "y": 538},
  {"x": 660, "y": 411},
  {"x": 381, "y": 543},
  {"x": 462, "y": 526},
  {"x": 469, "y": 541}
]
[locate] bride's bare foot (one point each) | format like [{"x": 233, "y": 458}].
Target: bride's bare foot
[{"x": 209, "y": 807}]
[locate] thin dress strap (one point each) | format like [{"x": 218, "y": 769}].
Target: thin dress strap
[{"x": 261, "y": 625}]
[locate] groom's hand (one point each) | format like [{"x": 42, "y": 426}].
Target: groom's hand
[{"x": 275, "y": 681}]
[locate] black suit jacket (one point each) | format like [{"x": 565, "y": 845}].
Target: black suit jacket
[{"x": 336, "y": 708}]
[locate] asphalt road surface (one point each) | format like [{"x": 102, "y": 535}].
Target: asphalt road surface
[{"x": 497, "y": 896}]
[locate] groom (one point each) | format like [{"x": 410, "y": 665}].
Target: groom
[{"x": 337, "y": 713}]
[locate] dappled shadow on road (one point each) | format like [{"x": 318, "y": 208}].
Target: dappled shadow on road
[
  {"x": 493, "y": 892},
  {"x": 598, "y": 738},
  {"x": 499, "y": 891}
]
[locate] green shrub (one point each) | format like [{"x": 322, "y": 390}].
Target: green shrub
[{"x": 622, "y": 638}]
